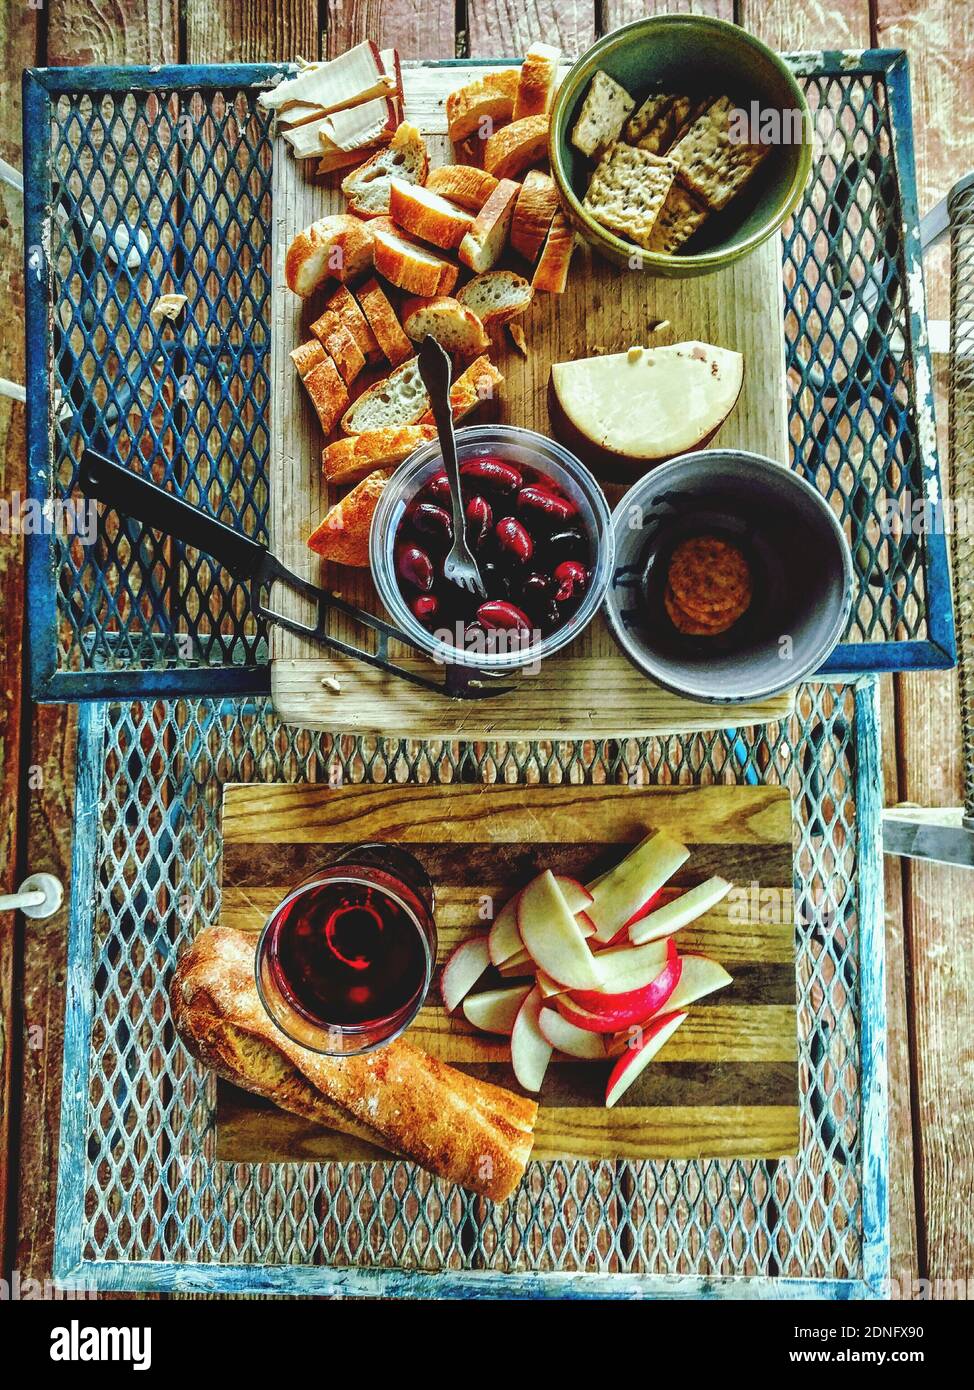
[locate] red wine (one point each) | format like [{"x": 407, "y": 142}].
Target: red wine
[{"x": 348, "y": 953}]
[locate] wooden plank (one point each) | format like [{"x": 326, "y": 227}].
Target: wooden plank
[
  {"x": 618, "y": 12},
  {"x": 597, "y": 692},
  {"x": 424, "y": 30},
  {"x": 18, "y": 33},
  {"x": 257, "y": 31},
  {"x": 737, "y": 1052},
  {"x": 506, "y": 28}
]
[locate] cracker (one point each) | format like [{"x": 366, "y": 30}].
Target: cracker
[
  {"x": 710, "y": 581},
  {"x": 710, "y": 164},
  {"x": 650, "y": 116},
  {"x": 687, "y": 624},
  {"x": 627, "y": 191},
  {"x": 604, "y": 110},
  {"x": 680, "y": 216}
]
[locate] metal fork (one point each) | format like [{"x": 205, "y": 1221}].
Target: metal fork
[{"x": 434, "y": 367}]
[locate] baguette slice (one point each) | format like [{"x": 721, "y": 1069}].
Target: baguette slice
[
  {"x": 307, "y": 356},
  {"x": 515, "y": 147},
  {"x": 343, "y": 533},
  {"x": 490, "y": 98},
  {"x": 477, "y": 384},
  {"x": 347, "y": 307},
  {"x": 551, "y": 274},
  {"x": 454, "y": 326},
  {"x": 606, "y": 108},
  {"x": 537, "y": 80},
  {"x": 536, "y": 205},
  {"x": 339, "y": 246},
  {"x": 427, "y": 215},
  {"x": 462, "y": 1129},
  {"x": 411, "y": 267},
  {"x": 497, "y": 296},
  {"x": 326, "y": 388},
  {"x": 483, "y": 245},
  {"x": 352, "y": 458},
  {"x": 338, "y": 342},
  {"x": 406, "y": 158},
  {"x": 383, "y": 323},
  {"x": 398, "y": 399},
  {"x": 462, "y": 184}
]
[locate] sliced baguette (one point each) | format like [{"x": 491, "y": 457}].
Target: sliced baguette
[
  {"x": 490, "y": 98},
  {"x": 327, "y": 391},
  {"x": 497, "y": 296},
  {"x": 536, "y": 205},
  {"x": 398, "y": 399},
  {"x": 536, "y": 81},
  {"x": 427, "y": 215},
  {"x": 551, "y": 274},
  {"x": 483, "y": 245},
  {"x": 337, "y": 340},
  {"x": 406, "y": 158},
  {"x": 477, "y": 384},
  {"x": 605, "y": 110},
  {"x": 468, "y": 187},
  {"x": 343, "y": 534},
  {"x": 515, "y": 147},
  {"x": 355, "y": 456},
  {"x": 383, "y": 323},
  {"x": 411, "y": 267},
  {"x": 339, "y": 246},
  {"x": 348, "y": 309},
  {"x": 307, "y": 356},
  {"x": 454, "y": 326}
]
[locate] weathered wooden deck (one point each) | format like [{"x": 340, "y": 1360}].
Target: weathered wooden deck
[{"x": 930, "y": 964}]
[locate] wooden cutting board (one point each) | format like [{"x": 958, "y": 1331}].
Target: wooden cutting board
[
  {"x": 590, "y": 690},
  {"x": 725, "y": 1085}
]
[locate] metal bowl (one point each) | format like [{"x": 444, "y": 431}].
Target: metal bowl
[{"x": 800, "y": 567}]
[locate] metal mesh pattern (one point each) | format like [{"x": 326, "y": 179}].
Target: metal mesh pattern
[
  {"x": 158, "y": 193},
  {"x": 186, "y": 167},
  {"x": 151, "y": 1189}
]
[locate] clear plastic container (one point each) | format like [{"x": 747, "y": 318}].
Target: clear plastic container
[{"x": 522, "y": 448}]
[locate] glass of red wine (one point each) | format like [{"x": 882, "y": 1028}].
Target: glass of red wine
[{"x": 345, "y": 961}]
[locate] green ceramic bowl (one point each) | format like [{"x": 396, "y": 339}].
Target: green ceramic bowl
[{"x": 695, "y": 55}]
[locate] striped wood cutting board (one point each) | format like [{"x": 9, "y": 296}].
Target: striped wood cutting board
[{"x": 727, "y": 1082}]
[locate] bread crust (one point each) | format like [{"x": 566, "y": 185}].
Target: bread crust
[
  {"x": 517, "y": 146},
  {"x": 484, "y": 244},
  {"x": 383, "y": 323},
  {"x": 337, "y": 340},
  {"x": 462, "y": 184},
  {"x": 490, "y": 98},
  {"x": 342, "y": 535},
  {"x": 327, "y": 390},
  {"x": 338, "y": 246},
  {"x": 472, "y": 295},
  {"x": 411, "y": 267},
  {"x": 458, "y": 1127},
  {"x": 307, "y": 356},
  {"x": 426, "y": 214},
  {"x": 551, "y": 274},
  {"x": 536, "y": 82},
  {"x": 534, "y": 210},
  {"x": 348, "y": 309},
  {"x": 354, "y": 457},
  {"x": 451, "y": 323},
  {"x": 406, "y": 157},
  {"x": 471, "y": 388}
]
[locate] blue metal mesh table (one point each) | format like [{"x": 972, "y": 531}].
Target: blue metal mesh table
[{"x": 164, "y": 648}]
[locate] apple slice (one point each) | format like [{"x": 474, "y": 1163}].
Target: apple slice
[
  {"x": 504, "y": 939},
  {"x": 552, "y": 936},
  {"x": 549, "y": 987},
  {"x": 636, "y": 1005},
  {"x": 576, "y": 895},
  {"x": 521, "y": 964},
  {"x": 530, "y": 1049},
  {"x": 625, "y": 968},
  {"x": 462, "y": 970},
  {"x": 680, "y": 911},
  {"x": 566, "y": 1037},
  {"x": 635, "y": 1060},
  {"x": 494, "y": 1010},
  {"x": 700, "y": 975},
  {"x": 620, "y": 893}
]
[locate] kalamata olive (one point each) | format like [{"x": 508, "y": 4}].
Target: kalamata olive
[
  {"x": 424, "y": 607},
  {"x": 513, "y": 540},
  {"x": 480, "y": 518},
  {"x": 499, "y": 612},
  {"x": 496, "y": 581},
  {"x": 415, "y": 567},
  {"x": 571, "y": 577},
  {"x": 535, "y": 500},
  {"x": 569, "y": 544},
  {"x": 431, "y": 520},
  {"x": 437, "y": 489},
  {"x": 493, "y": 473},
  {"x": 535, "y": 588}
]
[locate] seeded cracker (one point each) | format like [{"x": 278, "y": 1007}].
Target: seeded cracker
[
  {"x": 603, "y": 112},
  {"x": 628, "y": 190},
  {"x": 710, "y": 165},
  {"x": 649, "y": 116},
  {"x": 681, "y": 215}
]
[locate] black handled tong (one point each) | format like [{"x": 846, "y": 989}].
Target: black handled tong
[{"x": 128, "y": 492}]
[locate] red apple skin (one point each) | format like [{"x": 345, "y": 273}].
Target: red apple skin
[
  {"x": 620, "y": 1068},
  {"x": 592, "y": 1023},
  {"x": 620, "y": 1010},
  {"x": 650, "y": 905}
]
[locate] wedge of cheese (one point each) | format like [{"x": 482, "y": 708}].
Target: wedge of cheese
[
  {"x": 647, "y": 404},
  {"x": 354, "y": 76}
]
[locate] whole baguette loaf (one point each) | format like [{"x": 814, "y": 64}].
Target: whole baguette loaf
[{"x": 462, "y": 1129}]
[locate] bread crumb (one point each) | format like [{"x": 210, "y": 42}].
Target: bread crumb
[
  {"x": 332, "y": 683},
  {"x": 634, "y": 354},
  {"x": 517, "y": 335},
  {"x": 167, "y": 306}
]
